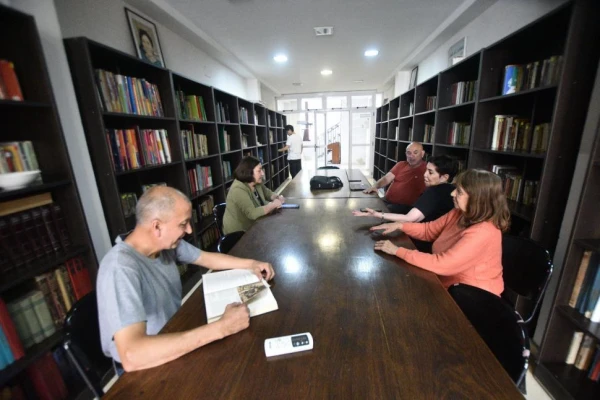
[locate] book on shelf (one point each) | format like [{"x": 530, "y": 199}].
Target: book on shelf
[
  {"x": 459, "y": 133},
  {"x": 222, "y": 111},
  {"x": 511, "y": 133},
  {"x": 126, "y": 94},
  {"x": 244, "y": 140},
  {"x": 227, "y": 171},
  {"x": 515, "y": 187},
  {"x": 585, "y": 297},
  {"x": 255, "y": 118},
  {"x": 574, "y": 347},
  {"x": 261, "y": 155},
  {"x": 32, "y": 318},
  {"x": 200, "y": 178},
  {"x": 541, "y": 134},
  {"x": 462, "y": 92},
  {"x": 224, "y": 140},
  {"x": 134, "y": 148},
  {"x": 244, "y": 115},
  {"x": 10, "y": 89},
  {"x": 270, "y": 136},
  {"x": 195, "y": 145},
  {"x": 17, "y": 157},
  {"x": 411, "y": 108},
  {"x": 232, "y": 286},
  {"x": 205, "y": 206},
  {"x": 209, "y": 237},
  {"x": 150, "y": 185},
  {"x": 128, "y": 203},
  {"x": 410, "y": 133},
  {"x": 397, "y": 133},
  {"x": 430, "y": 103},
  {"x": 14, "y": 344},
  {"x": 519, "y": 77},
  {"x": 190, "y": 106},
  {"x": 428, "y": 133},
  {"x": 45, "y": 378},
  {"x": 585, "y": 354},
  {"x": 31, "y": 235}
]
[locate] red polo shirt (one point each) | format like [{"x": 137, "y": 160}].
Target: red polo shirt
[{"x": 408, "y": 183}]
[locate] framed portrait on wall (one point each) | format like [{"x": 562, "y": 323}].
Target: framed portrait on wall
[
  {"x": 145, "y": 39},
  {"x": 413, "y": 77},
  {"x": 457, "y": 51}
]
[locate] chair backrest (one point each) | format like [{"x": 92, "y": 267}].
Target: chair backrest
[
  {"x": 218, "y": 212},
  {"x": 329, "y": 167},
  {"x": 527, "y": 267},
  {"x": 227, "y": 242},
  {"x": 498, "y": 325},
  {"x": 82, "y": 342}
]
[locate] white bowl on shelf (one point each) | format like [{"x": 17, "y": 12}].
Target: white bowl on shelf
[{"x": 18, "y": 180}]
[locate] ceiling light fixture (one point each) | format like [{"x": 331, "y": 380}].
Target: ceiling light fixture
[
  {"x": 371, "y": 53},
  {"x": 358, "y": 81},
  {"x": 326, "y": 72},
  {"x": 280, "y": 58}
]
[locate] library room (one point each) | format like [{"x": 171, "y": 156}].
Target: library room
[{"x": 299, "y": 199}]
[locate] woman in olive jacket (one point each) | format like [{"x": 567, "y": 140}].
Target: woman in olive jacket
[{"x": 248, "y": 199}]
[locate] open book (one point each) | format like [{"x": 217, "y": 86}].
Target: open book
[{"x": 221, "y": 289}]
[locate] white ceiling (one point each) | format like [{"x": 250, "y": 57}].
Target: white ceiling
[{"x": 251, "y": 32}]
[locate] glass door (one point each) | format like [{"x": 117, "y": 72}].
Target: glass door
[{"x": 361, "y": 141}]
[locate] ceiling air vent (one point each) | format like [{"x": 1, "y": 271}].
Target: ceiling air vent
[{"x": 324, "y": 30}]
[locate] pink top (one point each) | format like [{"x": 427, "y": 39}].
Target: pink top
[{"x": 472, "y": 255}]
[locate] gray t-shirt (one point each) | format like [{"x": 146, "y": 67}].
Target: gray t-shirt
[{"x": 133, "y": 288}]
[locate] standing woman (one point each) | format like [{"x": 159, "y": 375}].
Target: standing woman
[
  {"x": 467, "y": 242},
  {"x": 248, "y": 199}
]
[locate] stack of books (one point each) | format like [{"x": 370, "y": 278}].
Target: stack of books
[
  {"x": 190, "y": 106},
  {"x": 227, "y": 169},
  {"x": 430, "y": 103},
  {"x": 128, "y": 203},
  {"x": 17, "y": 157},
  {"x": 518, "y": 77},
  {"x": 244, "y": 115},
  {"x": 511, "y": 133},
  {"x": 428, "y": 134},
  {"x": 200, "y": 178},
  {"x": 10, "y": 89},
  {"x": 224, "y": 140},
  {"x": 515, "y": 187},
  {"x": 135, "y": 148},
  {"x": 459, "y": 133},
  {"x": 209, "y": 237},
  {"x": 195, "y": 145},
  {"x": 222, "y": 112},
  {"x": 125, "y": 94},
  {"x": 463, "y": 92}
]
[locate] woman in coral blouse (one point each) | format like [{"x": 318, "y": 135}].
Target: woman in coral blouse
[{"x": 467, "y": 242}]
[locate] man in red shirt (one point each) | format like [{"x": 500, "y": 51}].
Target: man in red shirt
[{"x": 406, "y": 179}]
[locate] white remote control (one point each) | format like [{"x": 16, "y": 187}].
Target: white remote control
[{"x": 288, "y": 344}]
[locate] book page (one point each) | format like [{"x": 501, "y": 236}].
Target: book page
[{"x": 221, "y": 280}]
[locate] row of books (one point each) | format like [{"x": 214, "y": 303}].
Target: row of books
[
  {"x": 10, "y": 89},
  {"x": 205, "y": 206},
  {"x": 518, "y": 77},
  {"x": 135, "y": 148},
  {"x": 224, "y": 140},
  {"x": 194, "y": 144},
  {"x": 511, "y": 133},
  {"x": 34, "y": 232},
  {"x": 584, "y": 354},
  {"x": 585, "y": 297},
  {"x": 45, "y": 379},
  {"x": 430, "y": 102},
  {"x": 463, "y": 92},
  {"x": 261, "y": 155},
  {"x": 227, "y": 171},
  {"x": 209, "y": 237},
  {"x": 190, "y": 106},
  {"x": 459, "y": 133},
  {"x": 271, "y": 136},
  {"x": 125, "y": 94},
  {"x": 515, "y": 187},
  {"x": 244, "y": 116},
  {"x": 428, "y": 133},
  {"x": 200, "y": 178},
  {"x": 17, "y": 157},
  {"x": 245, "y": 141},
  {"x": 222, "y": 112},
  {"x": 411, "y": 108},
  {"x": 128, "y": 203}
]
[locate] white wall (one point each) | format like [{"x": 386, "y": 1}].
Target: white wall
[
  {"x": 498, "y": 21},
  {"x": 70, "y": 119},
  {"x": 268, "y": 97},
  {"x": 104, "y": 21}
]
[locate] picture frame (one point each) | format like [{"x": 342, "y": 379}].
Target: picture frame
[
  {"x": 413, "y": 77},
  {"x": 457, "y": 52},
  {"x": 145, "y": 39}
]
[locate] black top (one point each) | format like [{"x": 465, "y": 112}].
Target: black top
[{"x": 433, "y": 203}]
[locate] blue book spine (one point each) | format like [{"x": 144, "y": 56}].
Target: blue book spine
[
  {"x": 131, "y": 95},
  {"x": 6, "y": 355},
  {"x": 594, "y": 293}
]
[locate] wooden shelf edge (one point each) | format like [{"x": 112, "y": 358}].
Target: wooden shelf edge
[
  {"x": 31, "y": 355},
  {"x": 44, "y": 187},
  {"x": 589, "y": 244},
  {"x": 518, "y": 94},
  {"x": 582, "y": 323}
]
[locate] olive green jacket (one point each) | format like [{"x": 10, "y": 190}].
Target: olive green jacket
[{"x": 242, "y": 207}]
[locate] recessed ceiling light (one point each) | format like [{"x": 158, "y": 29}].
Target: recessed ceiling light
[
  {"x": 280, "y": 58},
  {"x": 371, "y": 53},
  {"x": 359, "y": 81},
  {"x": 326, "y": 72}
]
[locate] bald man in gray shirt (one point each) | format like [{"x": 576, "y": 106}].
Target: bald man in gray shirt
[{"x": 139, "y": 289}]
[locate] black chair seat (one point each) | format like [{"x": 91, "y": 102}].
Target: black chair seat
[
  {"x": 527, "y": 267},
  {"x": 227, "y": 242},
  {"x": 82, "y": 342},
  {"x": 329, "y": 167},
  {"x": 498, "y": 325}
]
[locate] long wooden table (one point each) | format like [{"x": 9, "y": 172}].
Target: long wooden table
[
  {"x": 382, "y": 329},
  {"x": 299, "y": 187}
]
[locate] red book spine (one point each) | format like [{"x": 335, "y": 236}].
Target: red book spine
[
  {"x": 11, "y": 82},
  {"x": 80, "y": 278},
  {"x": 54, "y": 378},
  {"x": 37, "y": 374},
  {"x": 10, "y": 332}
]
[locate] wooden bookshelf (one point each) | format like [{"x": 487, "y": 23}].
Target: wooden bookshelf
[
  {"x": 36, "y": 119},
  {"x": 562, "y": 105}
]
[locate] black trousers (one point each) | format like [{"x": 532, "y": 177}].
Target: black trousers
[{"x": 295, "y": 167}]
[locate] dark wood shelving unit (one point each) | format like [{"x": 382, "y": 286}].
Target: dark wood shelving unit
[{"x": 36, "y": 119}]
